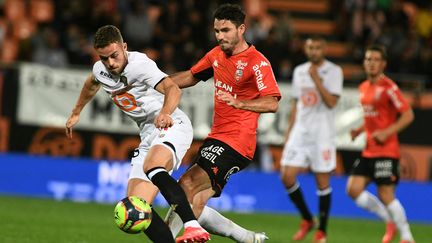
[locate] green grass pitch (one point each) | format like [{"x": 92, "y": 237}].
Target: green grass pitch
[{"x": 33, "y": 220}]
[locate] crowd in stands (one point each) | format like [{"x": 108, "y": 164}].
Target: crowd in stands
[
  {"x": 176, "y": 33},
  {"x": 403, "y": 26}
]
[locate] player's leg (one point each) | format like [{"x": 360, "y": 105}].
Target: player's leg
[
  {"x": 201, "y": 182},
  {"x": 289, "y": 179},
  {"x": 158, "y": 162},
  {"x": 293, "y": 160},
  {"x": 364, "y": 199},
  {"x": 362, "y": 173},
  {"x": 187, "y": 181},
  {"x": 218, "y": 224},
  {"x": 324, "y": 195},
  {"x": 386, "y": 192},
  {"x": 167, "y": 150},
  {"x": 215, "y": 223},
  {"x": 157, "y": 231},
  {"x": 323, "y": 162}
]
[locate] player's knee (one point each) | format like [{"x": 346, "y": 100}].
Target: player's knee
[
  {"x": 288, "y": 181},
  {"x": 353, "y": 191},
  {"x": 187, "y": 185}
]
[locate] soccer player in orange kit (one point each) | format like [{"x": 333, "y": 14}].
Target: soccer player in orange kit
[{"x": 386, "y": 113}]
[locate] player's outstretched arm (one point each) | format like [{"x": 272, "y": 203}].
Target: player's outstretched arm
[
  {"x": 172, "y": 94},
  {"x": 184, "y": 79},
  {"x": 263, "y": 104},
  {"x": 88, "y": 91}
]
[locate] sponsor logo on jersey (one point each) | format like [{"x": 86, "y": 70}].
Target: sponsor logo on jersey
[
  {"x": 222, "y": 85},
  {"x": 241, "y": 65},
  {"x": 392, "y": 93},
  {"x": 215, "y": 63},
  {"x": 309, "y": 97},
  {"x": 369, "y": 111},
  {"x": 264, "y": 64},
  {"x": 259, "y": 77},
  {"x": 105, "y": 74},
  {"x": 378, "y": 92},
  {"x": 238, "y": 74}
]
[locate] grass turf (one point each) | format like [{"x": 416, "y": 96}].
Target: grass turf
[{"x": 33, "y": 220}]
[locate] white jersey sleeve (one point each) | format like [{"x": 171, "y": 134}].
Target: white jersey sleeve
[
  {"x": 334, "y": 80},
  {"x": 144, "y": 70}
]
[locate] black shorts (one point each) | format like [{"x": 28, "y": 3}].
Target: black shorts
[
  {"x": 220, "y": 161},
  {"x": 383, "y": 171}
]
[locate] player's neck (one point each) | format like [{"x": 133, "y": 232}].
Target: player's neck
[
  {"x": 318, "y": 63},
  {"x": 241, "y": 47},
  {"x": 374, "y": 78}
]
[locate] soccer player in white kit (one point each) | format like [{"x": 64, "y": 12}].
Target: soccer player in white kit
[
  {"x": 316, "y": 87},
  {"x": 148, "y": 96}
]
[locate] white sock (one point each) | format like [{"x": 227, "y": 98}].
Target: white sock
[
  {"x": 174, "y": 222},
  {"x": 192, "y": 223},
  {"x": 399, "y": 217},
  {"x": 371, "y": 203},
  {"x": 216, "y": 223}
]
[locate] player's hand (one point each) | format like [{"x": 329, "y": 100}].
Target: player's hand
[
  {"x": 163, "y": 121},
  {"x": 228, "y": 99},
  {"x": 354, "y": 134},
  {"x": 380, "y": 136},
  {"x": 72, "y": 121},
  {"x": 313, "y": 72}
]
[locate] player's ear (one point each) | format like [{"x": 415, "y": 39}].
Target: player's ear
[
  {"x": 242, "y": 28},
  {"x": 125, "y": 46}
]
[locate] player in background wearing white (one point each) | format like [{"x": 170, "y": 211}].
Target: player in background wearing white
[
  {"x": 148, "y": 96},
  {"x": 386, "y": 113},
  {"x": 244, "y": 87},
  {"x": 311, "y": 134}
]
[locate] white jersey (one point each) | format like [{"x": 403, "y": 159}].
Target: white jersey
[
  {"x": 133, "y": 91},
  {"x": 314, "y": 120}
]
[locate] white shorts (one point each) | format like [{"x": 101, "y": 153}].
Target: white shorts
[
  {"x": 180, "y": 136},
  {"x": 320, "y": 157}
]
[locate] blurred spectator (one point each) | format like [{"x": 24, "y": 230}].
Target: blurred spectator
[
  {"x": 138, "y": 28},
  {"x": 78, "y": 46},
  {"x": 48, "y": 50},
  {"x": 178, "y": 32}
]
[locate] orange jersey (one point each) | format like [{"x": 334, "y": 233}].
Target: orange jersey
[
  {"x": 382, "y": 102},
  {"x": 246, "y": 76}
]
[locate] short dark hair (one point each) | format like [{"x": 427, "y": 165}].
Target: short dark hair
[
  {"x": 106, "y": 35},
  {"x": 231, "y": 12},
  {"x": 379, "y": 48},
  {"x": 316, "y": 38}
]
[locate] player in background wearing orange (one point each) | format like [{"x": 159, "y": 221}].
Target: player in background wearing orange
[
  {"x": 386, "y": 113},
  {"x": 244, "y": 87}
]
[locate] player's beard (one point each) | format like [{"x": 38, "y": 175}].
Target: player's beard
[{"x": 228, "y": 46}]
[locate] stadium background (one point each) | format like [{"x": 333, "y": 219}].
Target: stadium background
[{"x": 46, "y": 51}]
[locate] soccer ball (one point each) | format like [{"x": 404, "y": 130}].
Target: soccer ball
[{"x": 132, "y": 215}]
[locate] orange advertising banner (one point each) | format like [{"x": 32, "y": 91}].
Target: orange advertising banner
[{"x": 416, "y": 162}]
